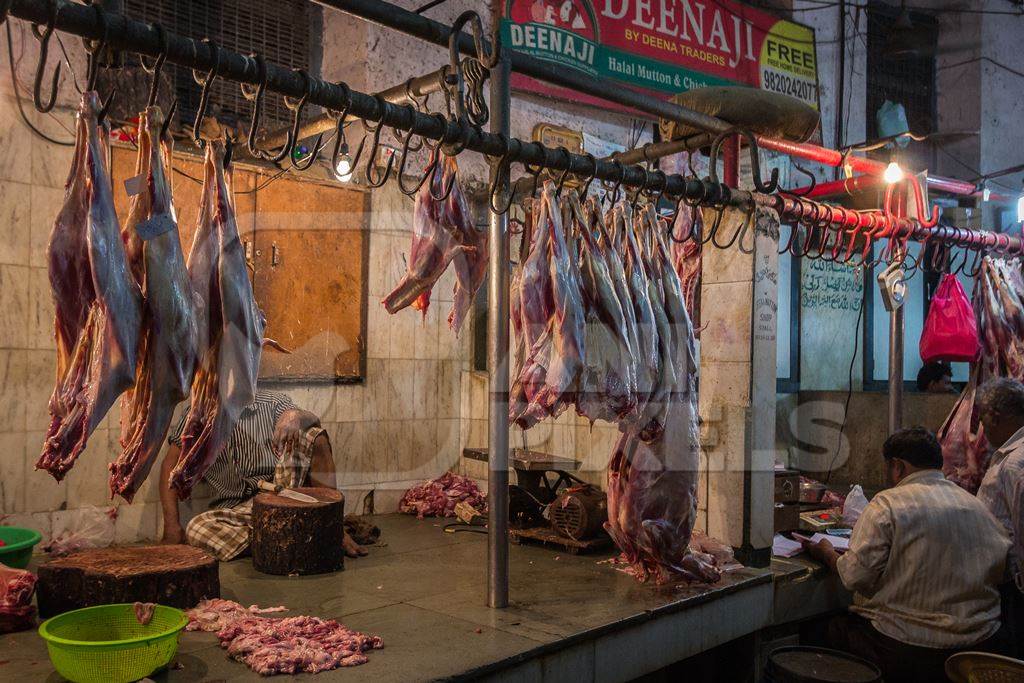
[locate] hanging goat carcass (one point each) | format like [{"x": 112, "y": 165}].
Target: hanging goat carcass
[
  {"x": 229, "y": 328},
  {"x": 97, "y": 301},
  {"x": 167, "y": 344}
]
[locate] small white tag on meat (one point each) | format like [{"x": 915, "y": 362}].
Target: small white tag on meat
[
  {"x": 155, "y": 226},
  {"x": 135, "y": 184}
]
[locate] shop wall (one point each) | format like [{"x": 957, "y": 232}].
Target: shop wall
[
  {"x": 856, "y": 457},
  {"x": 419, "y": 403}
]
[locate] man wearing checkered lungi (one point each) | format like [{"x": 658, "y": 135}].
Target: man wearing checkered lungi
[{"x": 273, "y": 440}]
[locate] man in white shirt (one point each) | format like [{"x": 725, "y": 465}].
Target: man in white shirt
[
  {"x": 924, "y": 565},
  {"x": 1001, "y": 409}
]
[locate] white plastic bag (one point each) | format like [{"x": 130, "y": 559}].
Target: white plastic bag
[
  {"x": 91, "y": 527},
  {"x": 855, "y": 503}
]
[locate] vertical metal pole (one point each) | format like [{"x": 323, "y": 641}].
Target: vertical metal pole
[
  {"x": 497, "y": 358},
  {"x": 896, "y": 370}
]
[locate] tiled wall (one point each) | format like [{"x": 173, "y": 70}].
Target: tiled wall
[{"x": 419, "y": 404}]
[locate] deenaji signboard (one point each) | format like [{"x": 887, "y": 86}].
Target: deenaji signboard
[{"x": 663, "y": 46}]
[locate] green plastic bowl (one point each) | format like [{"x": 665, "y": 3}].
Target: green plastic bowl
[
  {"x": 107, "y": 644},
  {"x": 18, "y": 544}
]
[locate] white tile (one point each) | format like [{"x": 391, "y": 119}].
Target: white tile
[
  {"x": 14, "y": 367},
  {"x": 14, "y": 223},
  {"x": 15, "y": 143},
  {"x": 14, "y": 307},
  {"x": 347, "y": 445},
  {"x": 448, "y": 389},
  {"x": 350, "y": 401},
  {"x": 39, "y": 382},
  {"x": 136, "y": 523},
  {"x": 51, "y": 163},
  {"x": 12, "y": 471},
  {"x": 426, "y": 334},
  {"x": 379, "y": 327},
  {"x": 425, "y": 389},
  {"x": 88, "y": 482},
  {"x": 400, "y": 389}
]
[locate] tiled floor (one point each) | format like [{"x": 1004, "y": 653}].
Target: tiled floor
[{"x": 424, "y": 592}]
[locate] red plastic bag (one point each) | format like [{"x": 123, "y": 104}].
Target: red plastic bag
[{"x": 951, "y": 330}]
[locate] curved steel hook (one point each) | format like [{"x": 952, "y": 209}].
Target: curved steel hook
[
  {"x": 739, "y": 231},
  {"x": 44, "y": 47},
  {"x": 297, "y": 106},
  {"x": 810, "y": 188},
  {"x": 157, "y": 68},
  {"x": 94, "y": 48},
  {"x": 406, "y": 148},
  {"x": 593, "y": 163},
  {"x": 503, "y": 162},
  {"x": 255, "y": 95},
  {"x": 204, "y": 96},
  {"x": 371, "y": 159},
  {"x": 565, "y": 173},
  {"x": 618, "y": 184}
]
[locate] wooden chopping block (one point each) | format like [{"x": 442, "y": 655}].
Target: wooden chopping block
[
  {"x": 174, "y": 575},
  {"x": 295, "y": 537}
]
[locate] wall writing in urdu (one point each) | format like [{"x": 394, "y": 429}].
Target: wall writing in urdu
[{"x": 831, "y": 286}]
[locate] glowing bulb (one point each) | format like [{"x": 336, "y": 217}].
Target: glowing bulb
[
  {"x": 893, "y": 173},
  {"x": 986, "y": 193},
  {"x": 1020, "y": 208},
  {"x": 344, "y": 168}
]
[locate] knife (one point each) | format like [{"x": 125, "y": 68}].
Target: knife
[{"x": 287, "y": 493}]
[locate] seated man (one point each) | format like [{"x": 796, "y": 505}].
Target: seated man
[
  {"x": 274, "y": 440},
  {"x": 925, "y": 562},
  {"x": 1001, "y": 410},
  {"x": 935, "y": 378}
]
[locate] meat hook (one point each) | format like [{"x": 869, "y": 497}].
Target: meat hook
[
  {"x": 593, "y": 164},
  {"x": 155, "y": 70},
  {"x": 811, "y": 177},
  {"x": 340, "y": 143},
  {"x": 204, "y": 97},
  {"x": 371, "y": 160},
  {"x": 502, "y": 164},
  {"x": 535, "y": 171},
  {"x": 43, "y": 36},
  {"x": 922, "y": 216},
  {"x": 618, "y": 183},
  {"x": 565, "y": 173},
  {"x": 255, "y": 95},
  {"x": 406, "y": 148},
  {"x": 297, "y": 106},
  {"x": 720, "y": 212},
  {"x": 94, "y": 48},
  {"x": 446, "y": 190}
]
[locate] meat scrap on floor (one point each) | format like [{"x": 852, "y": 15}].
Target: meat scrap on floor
[
  {"x": 438, "y": 497},
  {"x": 281, "y": 645}
]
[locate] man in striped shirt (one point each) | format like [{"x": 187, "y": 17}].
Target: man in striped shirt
[
  {"x": 273, "y": 440},
  {"x": 1001, "y": 409},
  {"x": 924, "y": 565}
]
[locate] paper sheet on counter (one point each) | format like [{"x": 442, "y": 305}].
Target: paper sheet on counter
[{"x": 785, "y": 547}]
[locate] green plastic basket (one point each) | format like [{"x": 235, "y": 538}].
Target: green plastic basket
[
  {"x": 18, "y": 544},
  {"x": 107, "y": 644}
]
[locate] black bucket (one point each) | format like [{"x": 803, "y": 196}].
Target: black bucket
[{"x": 800, "y": 664}]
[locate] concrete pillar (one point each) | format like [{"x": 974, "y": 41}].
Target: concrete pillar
[{"x": 737, "y": 382}]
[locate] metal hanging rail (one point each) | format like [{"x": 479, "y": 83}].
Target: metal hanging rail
[{"x": 394, "y": 17}]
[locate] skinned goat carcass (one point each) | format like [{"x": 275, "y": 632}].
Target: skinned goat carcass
[
  {"x": 443, "y": 233},
  {"x": 607, "y": 387},
  {"x": 229, "y": 328},
  {"x": 686, "y": 258},
  {"x": 652, "y": 487},
  {"x": 97, "y": 302},
  {"x": 167, "y": 344},
  {"x": 550, "y": 285}
]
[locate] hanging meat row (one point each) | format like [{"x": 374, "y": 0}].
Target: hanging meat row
[
  {"x": 133, "y": 318},
  {"x": 600, "y": 323},
  {"x": 998, "y": 299}
]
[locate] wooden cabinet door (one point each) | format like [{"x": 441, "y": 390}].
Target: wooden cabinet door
[{"x": 311, "y": 258}]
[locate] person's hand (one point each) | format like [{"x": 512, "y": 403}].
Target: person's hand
[
  {"x": 820, "y": 550},
  {"x": 287, "y": 432},
  {"x": 173, "y": 536},
  {"x": 352, "y": 549}
]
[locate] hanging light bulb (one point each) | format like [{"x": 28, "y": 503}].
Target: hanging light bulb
[
  {"x": 343, "y": 170},
  {"x": 893, "y": 173},
  {"x": 986, "y": 193}
]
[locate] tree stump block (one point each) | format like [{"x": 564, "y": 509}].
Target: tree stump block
[
  {"x": 174, "y": 575},
  {"x": 295, "y": 537}
]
